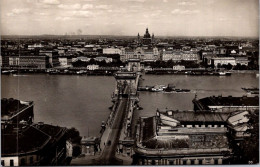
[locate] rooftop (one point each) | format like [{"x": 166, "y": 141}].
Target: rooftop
[
  {"x": 148, "y": 128},
  {"x": 223, "y": 58},
  {"x": 205, "y": 103},
  {"x": 29, "y": 138},
  {"x": 189, "y": 138},
  {"x": 10, "y": 107},
  {"x": 199, "y": 116}
]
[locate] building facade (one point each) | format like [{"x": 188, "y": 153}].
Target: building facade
[
  {"x": 176, "y": 55},
  {"x": 144, "y": 54},
  {"x": 242, "y": 60},
  {"x": 182, "y": 138},
  {"x": 112, "y": 51},
  {"x": 223, "y": 61},
  {"x": 92, "y": 67}
]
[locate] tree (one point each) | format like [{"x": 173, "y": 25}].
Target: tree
[
  {"x": 79, "y": 63},
  {"x": 92, "y": 61},
  {"x": 250, "y": 146},
  {"x": 169, "y": 63},
  {"x": 243, "y": 67},
  {"x": 74, "y": 135},
  {"x": 76, "y": 151},
  {"x": 238, "y": 66},
  {"x": 229, "y": 66},
  {"x": 103, "y": 63},
  {"x": 219, "y": 65}
]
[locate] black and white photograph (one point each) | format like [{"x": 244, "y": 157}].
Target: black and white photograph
[{"x": 129, "y": 82}]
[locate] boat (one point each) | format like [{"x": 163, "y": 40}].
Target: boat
[
  {"x": 144, "y": 88},
  {"x": 223, "y": 73},
  {"x": 5, "y": 72},
  {"x": 187, "y": 72},
  {"x": 157, "y": 88},
  {"x": 18, "y": 75},
  {"x": 253, "y": 90},
  {"x": 163, "y": 86},
  {"x": 174, "y": 90},
  {"x": 9, "y": 71},
  {"x": 80, "y": 72},
  {"x": 228, "y": 73},
  {"x": 185, "y": 90},
  {"x": 169, "y": 88}
]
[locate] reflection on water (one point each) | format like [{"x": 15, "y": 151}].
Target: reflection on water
[{"x": 83, "y": 101}]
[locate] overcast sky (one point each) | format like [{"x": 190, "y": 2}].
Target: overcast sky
[{"x": 128, "y": 17}]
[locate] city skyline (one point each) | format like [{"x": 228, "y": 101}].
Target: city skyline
[{"x": 129, "y": 17}]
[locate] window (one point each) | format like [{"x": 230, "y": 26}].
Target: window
[
  {"x": 171, "y": 162},
  {"x": 184, "y": 162},
  {"x": 200, "y": 162},
  {"x": 3, "y": 162},
  {"x": 215, "y": 161},
  {"x": 11, "y": 162},
  {"x": 192, "y": 162}
]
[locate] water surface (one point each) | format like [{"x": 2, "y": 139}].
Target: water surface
[{"x": 83, "y": 101}]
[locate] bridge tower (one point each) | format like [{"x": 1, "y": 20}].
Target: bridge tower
[
  {"x": 134, "y": 65},
  {"x": 125, "y": 84}
]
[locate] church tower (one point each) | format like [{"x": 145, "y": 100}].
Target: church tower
[
  {"x": 147, "y": 40},
  {"x": 138, "y": 38},
  {"x": 147, "y": 34}
]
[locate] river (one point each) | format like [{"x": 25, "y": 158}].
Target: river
[{"x": 83, "y": 101}]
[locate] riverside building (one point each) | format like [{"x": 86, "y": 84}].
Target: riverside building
[
  {"x": 182, "y": 138},
  {"x": 226, "y": 104},
  {"x": 144, "y": 54},
  {"x": 24, "y": 143}
]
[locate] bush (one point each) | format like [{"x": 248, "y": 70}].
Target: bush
[{"x": 74, "y": 136}]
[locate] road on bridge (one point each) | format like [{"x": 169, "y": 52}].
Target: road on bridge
[{"x": 108, "y": 155}]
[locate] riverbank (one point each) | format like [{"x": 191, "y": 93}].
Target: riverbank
[
  {"x": 245, "y": 71},
  {"x": 111, "y": 72}
]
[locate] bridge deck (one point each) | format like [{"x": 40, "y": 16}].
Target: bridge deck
[{"x": 108, "y": 155}]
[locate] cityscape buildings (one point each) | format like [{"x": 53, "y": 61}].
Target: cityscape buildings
[{"x": 129, "y": 82}]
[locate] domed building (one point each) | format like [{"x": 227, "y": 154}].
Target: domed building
[{"x": 147, "y": 39}]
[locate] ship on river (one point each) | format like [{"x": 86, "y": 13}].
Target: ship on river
[
  {"x": 162, "y": 88},
  {"x": 251, "y": 90}
]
